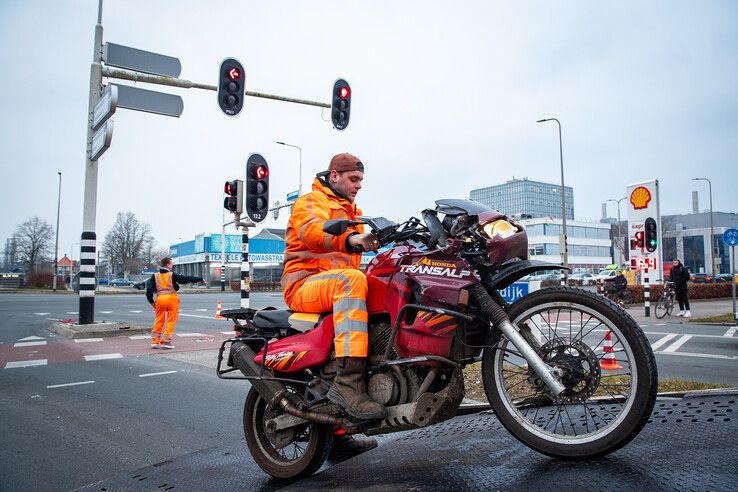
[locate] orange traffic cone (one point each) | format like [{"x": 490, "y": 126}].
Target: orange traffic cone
[
  {"x": 217, "y": 311},
  {"x": 608, "y": 362}
]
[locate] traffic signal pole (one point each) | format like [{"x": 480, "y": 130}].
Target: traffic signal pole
[{"x": 88, "y": 242}]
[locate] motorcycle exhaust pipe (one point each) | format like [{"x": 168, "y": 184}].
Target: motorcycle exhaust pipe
[
  {"x": 243, "y": 359},
  {"x": 498, "y": 318}
]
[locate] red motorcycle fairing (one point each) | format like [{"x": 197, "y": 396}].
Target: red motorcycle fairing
[
  {"x": 439, "y": 278},
  {"x": 299, "y": 352}
]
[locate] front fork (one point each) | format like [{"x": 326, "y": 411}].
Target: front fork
[{"x": 549, "y": 375}]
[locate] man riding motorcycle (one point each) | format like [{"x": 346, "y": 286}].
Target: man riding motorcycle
[{"x": 321, "y": 273}]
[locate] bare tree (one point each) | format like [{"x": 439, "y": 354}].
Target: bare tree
[
  {"x": 125, "y": 244},
  {"x": 153, "y": 254},
  {"x": 33, "y": 242}
]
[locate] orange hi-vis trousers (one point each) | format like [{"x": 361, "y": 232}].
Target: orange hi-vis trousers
[
  {"x": 167, "y": 305},
  {"x": 344, "y": 292}
]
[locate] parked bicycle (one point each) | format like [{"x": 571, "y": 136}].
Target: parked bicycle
[{"x": 666, "y": 302}]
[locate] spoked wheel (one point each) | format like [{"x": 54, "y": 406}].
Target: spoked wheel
[
  {"x": 662, "y": 307},
  {"x": 292, "y": 453},
  {"x": 605, "y": 364},
  {"x": 670, "y": 304}
]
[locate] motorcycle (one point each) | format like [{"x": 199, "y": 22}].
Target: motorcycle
[{"x": 550, "y": 375}]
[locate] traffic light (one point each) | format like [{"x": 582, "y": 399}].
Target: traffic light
[
  {"x": 639, "y": 240},
  {"x": 651, "y": 237},
  {"x": 234, "y": 201},
  {"x": 257, "y": 187},
  {"x": 341, "y": 104},
  {"x": 231, "y": 86}
]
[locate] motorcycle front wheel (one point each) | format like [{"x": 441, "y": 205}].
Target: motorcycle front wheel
[
  {"x": 290, "y": 453},
  {"x": 608, "y": 368}
]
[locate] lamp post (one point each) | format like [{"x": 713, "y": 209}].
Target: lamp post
[
  {"x": 299, "y": 186},
  {"x": 563, "y": 202},
  {"x": 712, "y": 228},
  {"x": 620, "y": 240},
  {"x": 56, "y": 242}
]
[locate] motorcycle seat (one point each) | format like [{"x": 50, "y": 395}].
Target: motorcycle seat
[{"x": 269, "y": 319}]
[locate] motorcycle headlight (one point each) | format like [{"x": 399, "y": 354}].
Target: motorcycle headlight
[{"x": 501, "y": 228}]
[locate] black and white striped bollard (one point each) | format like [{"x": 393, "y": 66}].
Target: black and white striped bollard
[
  {"x": 646, "y": 293},
  {"x": 87, "y": 257},
  {"x": 245, "y": 281}
]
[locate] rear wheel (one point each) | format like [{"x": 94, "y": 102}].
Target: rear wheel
[
  {"x": 291, "y": 453},
  {"x": 607, "y": 367}
]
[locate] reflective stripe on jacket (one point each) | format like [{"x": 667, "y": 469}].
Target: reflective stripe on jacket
[
  {"x": 309, "y": 250},
  {"x": 164, "y": 283}
]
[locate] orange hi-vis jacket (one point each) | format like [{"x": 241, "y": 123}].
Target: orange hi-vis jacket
[{"x": 309, "y": 250}]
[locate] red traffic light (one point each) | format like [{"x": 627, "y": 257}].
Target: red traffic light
[
  {"x": 234, "y": 73},
  {"x": 639, "y": 235},
  {"x": 344, "y": 92},
  {"x": 261, "y": 172}
]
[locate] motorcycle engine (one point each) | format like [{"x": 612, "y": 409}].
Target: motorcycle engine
[{"x": 384, "y": 388}]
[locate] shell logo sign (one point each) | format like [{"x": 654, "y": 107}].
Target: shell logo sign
[{"x": 640, "y": 197}]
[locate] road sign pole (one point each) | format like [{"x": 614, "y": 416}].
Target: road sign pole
[
  {"x": 88, "y": 243},
  {"x": 735, "y": 313},
  {"x": 245, "y": 280}
]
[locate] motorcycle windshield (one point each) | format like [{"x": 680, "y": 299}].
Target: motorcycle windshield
[{"x": 454, "y": 206}]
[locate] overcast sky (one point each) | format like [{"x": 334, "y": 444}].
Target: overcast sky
[{"x": 445, "y": 99}]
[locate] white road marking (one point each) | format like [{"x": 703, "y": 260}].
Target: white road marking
[
  {"x": 69, "y": 384},
  {"x": 201, "y": 310},
  {"x": 156, "y": 374},
  {"x": 706, "y": 356},
  {"x": 731, "y": 331},
  {"x": 103, "y": 357},
  {"x": 134, "y": 311},
  {"x": 673, "y": 347},
  {"x": 30, "y": 344},
  {"x": 30, "y": 339},
  {"x": 26, "y": 363},
  {"x": 659, "y": 324},
  {"x": 228, "y": 332},
  {"x": 195, "y": 316},
  {"x": 41, "y": 314},
  {"x": 693, "y": 334},
  {"x": 185, "y": 334},
  {"x": 140, "y": 337},
  {"x": 106, "y": 312},
  {"x": 663, "y": 341},
  {"x": 53, "y": 319},
  {"x": 643, "y": 326},
  {"x": 88, "y": 340},
  {"x": 72, "y": 312}
]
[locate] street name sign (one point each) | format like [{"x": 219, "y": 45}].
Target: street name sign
[
  {"x": 292, "y": 196},
  {"x": 101, "y": 140},
  {"x": 149, "y": 101},
  {"x": 515, "y": 291},
  {"x": 120, "y": 56},
  {"x": 105, "y": 107}
]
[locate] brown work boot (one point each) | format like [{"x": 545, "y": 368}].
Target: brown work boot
[
  {"x": 349, "y": 391},
  {"x": 345, "y": 447}
]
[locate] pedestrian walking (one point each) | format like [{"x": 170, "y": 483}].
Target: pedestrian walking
[
  {"x": 165, "y": 284},
  {"x": 680, "y": 276}
]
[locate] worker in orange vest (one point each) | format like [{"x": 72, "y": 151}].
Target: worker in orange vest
[
  {"x": 321, "y": 273},
  {"x": 165, "y": 285}
]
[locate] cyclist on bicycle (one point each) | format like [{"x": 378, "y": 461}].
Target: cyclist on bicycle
[{"x": 620, "y": 284}]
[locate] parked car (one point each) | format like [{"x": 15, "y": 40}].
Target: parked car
[
  {"x": 121, "y": 282},
  {"x": 141, "y": 285},
  {"x": 581, "y": 279},
  {"x": 701, "y": 278},
  {"x": 605, "y": 275},
  {"x": 724, "y": 277}
]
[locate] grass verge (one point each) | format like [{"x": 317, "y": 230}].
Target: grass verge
[
  {"x": 475, "y": 387},
  {"x": 720, "y": 318}
]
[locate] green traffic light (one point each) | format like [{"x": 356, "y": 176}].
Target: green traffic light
[{"x": 653, "y": 242}]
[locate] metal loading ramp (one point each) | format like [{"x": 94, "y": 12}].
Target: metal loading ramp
[{"x": 690, "y": 443}]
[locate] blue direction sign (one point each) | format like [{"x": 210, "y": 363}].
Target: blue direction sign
[
  {"x": 730, "y": 237},
  {"x": 292, "y": 196},
  {"x": 515, "y": 291}
]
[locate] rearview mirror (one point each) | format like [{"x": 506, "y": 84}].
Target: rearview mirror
[{"x": 336, "y": 227}]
